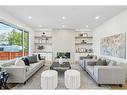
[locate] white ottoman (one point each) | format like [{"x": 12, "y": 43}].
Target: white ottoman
[
  {"x": 49, "y": 79},
  {"x": 72, "y": 79}
]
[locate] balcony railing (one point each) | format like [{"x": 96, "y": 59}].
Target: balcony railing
[{"x": 11, "y": 55}]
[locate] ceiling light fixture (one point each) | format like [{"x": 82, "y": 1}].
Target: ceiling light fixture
[
  {"x": 40, "y": 25},
  {"x": 63, "y": 17},
  {"x": 97, "y": 17},
  {"x": 87, "y": 26},
  {"x": 1, "y": 17},
  {"x": 29, "y": 17},
  {"x": 63, "y": 26}
]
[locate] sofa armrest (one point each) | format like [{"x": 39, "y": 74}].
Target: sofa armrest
[
  {"x": 17, "y": 74},
  {"x": 109, "y": 74}
]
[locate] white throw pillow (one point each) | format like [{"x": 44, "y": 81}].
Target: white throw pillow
[
  {"x": 112, "y": 63},
  {"x": 19, "y": 62}
]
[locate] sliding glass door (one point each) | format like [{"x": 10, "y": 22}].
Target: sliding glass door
[{"x": 11, "y": 42}]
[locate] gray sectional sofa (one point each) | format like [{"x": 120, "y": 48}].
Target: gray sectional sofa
[
  {"x": 104, "y": 74},
  {"x": 20, "y": 74}
]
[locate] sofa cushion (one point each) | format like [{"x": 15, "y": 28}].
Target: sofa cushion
[
  {"x": 90, "y": 69},
  {"x": 9, "y": 63},
  {"x": 33, "y": 59},
  {"x": 32, "y": 67}
]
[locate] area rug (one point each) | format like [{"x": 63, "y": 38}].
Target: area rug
[{"x": 35, "y": 81}]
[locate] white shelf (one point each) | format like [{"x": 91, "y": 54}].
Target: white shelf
[
  {"x": 84, "y": 52},
  {"x": 41, "y": 51},
  {"x": 83, "y": 43},
  {"x": 42, "y": 37},
  {"x": 78, "y": 37},
  {"x": 44, "y": 43}
]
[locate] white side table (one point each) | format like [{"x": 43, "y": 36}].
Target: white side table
[
  {"x": 49, "y": 79},
  {"x": 72, "y": 79}
]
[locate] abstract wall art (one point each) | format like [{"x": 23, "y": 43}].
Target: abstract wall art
[{"x": 114, "y": 45}]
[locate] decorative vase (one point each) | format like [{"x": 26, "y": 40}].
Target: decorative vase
[{"x": 60, "y": 60}]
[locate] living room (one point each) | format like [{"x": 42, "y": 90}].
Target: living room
[{"x": 83, "y": 49}]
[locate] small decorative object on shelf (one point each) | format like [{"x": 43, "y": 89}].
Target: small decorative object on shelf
[
  {"x": 46, "y": 39},
  {"x": 81, "y": 34},
  {"x": 83, "y": 42},
  {"x": 84, "y": 50},
  {"x": 61, "y": 60},
  {"x": 43, "y": 34},
  {"x": 43, "y": 37},
  {"x": 40, "y": 47},
  {"x": 90, "y": 50},
  {"x": 85, "y": 35}
]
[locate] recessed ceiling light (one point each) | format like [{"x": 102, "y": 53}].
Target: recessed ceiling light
[
  {"x": 40, "y": 25},
  {"x": 1, "y": 17},
  {"x": 63, "y": 26},
  {"x": 63, "y": 17},
  {"x": 97, "y": 17},
  {"x": 87, "y": 26},
  {"x": 29, "y": 17}
]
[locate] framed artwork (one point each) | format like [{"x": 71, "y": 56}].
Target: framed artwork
[{"x": 114, "y": 45}]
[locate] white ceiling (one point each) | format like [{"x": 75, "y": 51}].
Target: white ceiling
[{"x": 77, "y": 17}]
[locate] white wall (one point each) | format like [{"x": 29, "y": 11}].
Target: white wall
[
  {"x": 64, "y": 41},
  {"x": 5, "y": 17},
  {"x": 116, "y": 25}
]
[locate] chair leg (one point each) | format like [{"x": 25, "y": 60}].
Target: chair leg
[
  {"x": 24, "y": 83},
  {"x": 120, "y": 85},
  {"x": 99, "y": 85}
]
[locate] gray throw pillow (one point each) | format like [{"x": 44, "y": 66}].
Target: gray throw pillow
[
  {"x": 112, "y": 63},
  {"x": 101, "y": 62},
  {"x": 33, "y": 59}
]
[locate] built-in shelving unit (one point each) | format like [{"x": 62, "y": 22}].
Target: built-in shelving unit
[
  {"x": 44, "y": 41},
  {"x": 83, "y": 44},
  {"x": 43, "y": 45}
]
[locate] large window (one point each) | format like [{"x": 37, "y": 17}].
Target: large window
[{"x": 11, "y": 42}]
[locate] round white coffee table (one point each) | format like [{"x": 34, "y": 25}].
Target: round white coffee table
[
  {"x": 72, "y": 79},
  {"x": 49, "y": 79}
]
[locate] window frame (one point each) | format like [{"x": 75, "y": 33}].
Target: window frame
[
  {"x": 27, "y": 41},
  {"x": 23, "y": 31}
]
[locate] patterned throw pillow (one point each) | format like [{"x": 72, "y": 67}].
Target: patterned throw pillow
[
  {"x": 26, "y": 61},
  {"x": 19, "y": 62}
]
